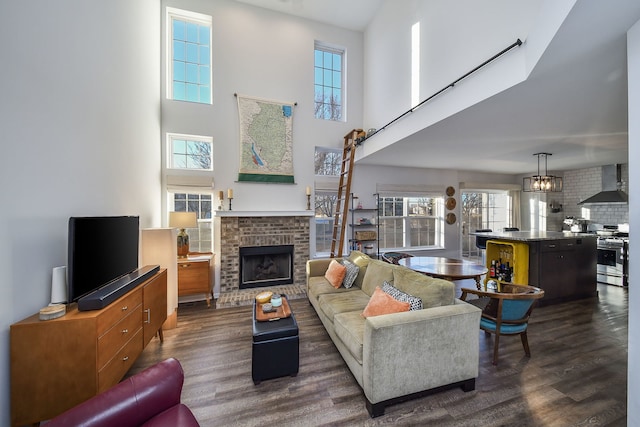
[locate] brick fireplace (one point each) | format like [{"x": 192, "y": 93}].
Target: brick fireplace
[{"x": 236, "y": 229}]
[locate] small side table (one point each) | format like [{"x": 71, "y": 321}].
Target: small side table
[
  {"x": 275, "y": 349},
  {"x": 194, "y": 276}
]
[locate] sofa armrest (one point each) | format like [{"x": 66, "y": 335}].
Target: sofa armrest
[
  {"x": 131, "y": 402},
  {"x": 317, "y": 267},
  {"x": 409, "y": 352}
]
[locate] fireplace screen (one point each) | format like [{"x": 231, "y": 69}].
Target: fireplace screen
[{"x": 266, "y": 266}]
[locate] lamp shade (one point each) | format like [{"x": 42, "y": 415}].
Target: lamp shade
[{"x": 182, "y": 219}]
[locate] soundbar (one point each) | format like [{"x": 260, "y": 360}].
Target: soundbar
[{"x": 102, "y": 297}]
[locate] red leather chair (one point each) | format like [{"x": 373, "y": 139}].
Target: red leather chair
[{"x": 149, "y": 398}]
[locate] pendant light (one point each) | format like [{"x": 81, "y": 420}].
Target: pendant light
[{"x": 542, "y": 183}]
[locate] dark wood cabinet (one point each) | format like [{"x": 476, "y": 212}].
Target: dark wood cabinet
[{"x": 564, "y": 268}]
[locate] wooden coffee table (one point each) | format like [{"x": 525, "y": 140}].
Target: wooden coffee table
[{"x": 445, "y": 268}]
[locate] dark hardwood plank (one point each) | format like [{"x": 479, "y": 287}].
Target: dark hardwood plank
[{"x": 577, "y": 373}]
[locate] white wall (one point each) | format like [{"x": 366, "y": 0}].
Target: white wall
[
  {"x": 452, "y": 43},
  {"x": 633, "y": 375},
  {"x": 268, "y": 55},
  {"x": 79, "y": 114}
]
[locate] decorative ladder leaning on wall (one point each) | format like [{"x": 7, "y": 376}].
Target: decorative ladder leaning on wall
[{"x": 344, "y": 190}]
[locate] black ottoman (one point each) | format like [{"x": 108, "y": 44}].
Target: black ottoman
[{"x": 275, "y": 348}]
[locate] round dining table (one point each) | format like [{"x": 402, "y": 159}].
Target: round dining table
[{"x": 445, "y": 268}]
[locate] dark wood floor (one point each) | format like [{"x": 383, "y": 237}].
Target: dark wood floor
[{"x": 576, "y": 376}]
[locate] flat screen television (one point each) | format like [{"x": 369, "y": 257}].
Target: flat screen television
[{"x": 100, "y": 250}]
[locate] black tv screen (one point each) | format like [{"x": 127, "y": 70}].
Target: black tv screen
[{"x": 101, "y": 250}]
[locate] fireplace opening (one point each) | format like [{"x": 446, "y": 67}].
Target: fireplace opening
[{"x": 266, "y": 266}]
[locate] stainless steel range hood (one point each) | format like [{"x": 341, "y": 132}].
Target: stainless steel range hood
[{"x": 611, "y": 184}]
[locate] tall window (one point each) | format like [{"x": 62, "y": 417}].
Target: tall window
[
  {"x": 188, "y": 56},
  {"x": 190, "y": 152},
  {"x": 483, "y": 210},
  {"x": 189, "y": 177},
  {"x": 328, "y": 80},
  {"x": 327, "y": 165},
  {"x": 325, "y": 210},
  {"x": 200, "y": 238},
  {"x": 411, "y": 222}
]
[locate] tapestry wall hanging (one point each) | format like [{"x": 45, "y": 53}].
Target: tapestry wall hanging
[{"x": 266, "y": 143}]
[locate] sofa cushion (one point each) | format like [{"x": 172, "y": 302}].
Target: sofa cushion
[
  {"x": 332, "y": 304},
  {"x": 351, "y": 275},
  {"x": 377, "y": 273},
  {"x": 362, "y": 261},
  {"x": 349, "y": 328},
  {"x": 383, "y": 303},
  {"x": 335, "y": 273},
  {"x": 318, "y": 285},
  {"x": 415, "y": 303},
  {"x": 432, "y": 292}
]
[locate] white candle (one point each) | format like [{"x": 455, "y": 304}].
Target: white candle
[
  {"x": 308, "y": 190},
  {"x": 221, "y": 195},
  {"x": 230, "y": 193}
]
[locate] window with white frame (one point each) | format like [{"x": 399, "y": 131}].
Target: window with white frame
[
  {"x": 483, "y": 209},
  {"x": 325, "y": 210},
  {"x": 201, "y": 237},
  {"x": 327, "y": 161},
  {"x": 188, "y": 56},
  {"x": 190, "y": 152},
  {"x": 328, "y": 82},
  {"x": 411, "y": 222}
]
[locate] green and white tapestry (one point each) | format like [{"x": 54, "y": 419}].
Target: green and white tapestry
[{"x": 266, "y": 143}]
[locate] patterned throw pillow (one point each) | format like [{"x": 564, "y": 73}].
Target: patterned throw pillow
[
  {"x": 414, "y": 302},
  {"x": 352, "y": 273}
]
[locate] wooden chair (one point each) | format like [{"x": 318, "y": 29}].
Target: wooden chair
[{"x": 507, "y": 312}]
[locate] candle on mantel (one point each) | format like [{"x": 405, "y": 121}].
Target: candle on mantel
[
  {"x": 221, "y": 195},
  {"x": 308, "y": 190},
  {"x": 230, "y": 193}
]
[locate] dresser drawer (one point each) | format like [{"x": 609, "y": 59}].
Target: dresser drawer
[
  {"x": 115, "y": 369},
  {"x": 116, "y": 337},
  {"x": 193, "y": 276},
  {"x": 118, "y": 310}
]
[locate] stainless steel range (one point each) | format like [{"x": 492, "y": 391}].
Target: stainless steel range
[{"x": 613, "y": 256}]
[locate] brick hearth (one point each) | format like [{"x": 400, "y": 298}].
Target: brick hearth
[{"x": 236, "y": 229}]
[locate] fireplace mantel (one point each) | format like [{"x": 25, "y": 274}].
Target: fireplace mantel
[{"x": 231, "y": 214}]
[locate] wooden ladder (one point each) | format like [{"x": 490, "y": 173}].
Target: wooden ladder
[{"x": 344, "y": 191}]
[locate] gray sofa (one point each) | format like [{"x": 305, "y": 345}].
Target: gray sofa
[{"x": 398, "y": 356}]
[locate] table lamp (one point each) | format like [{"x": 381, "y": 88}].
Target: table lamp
[{"x": 182, "y": 220}]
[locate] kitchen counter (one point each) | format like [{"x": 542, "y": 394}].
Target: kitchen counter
[
  {"x": 534, "y": 236},
  {"x": 562, "y": 263}
]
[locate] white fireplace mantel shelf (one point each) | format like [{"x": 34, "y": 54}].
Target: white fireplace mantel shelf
[{"x": 231, "y": 214}]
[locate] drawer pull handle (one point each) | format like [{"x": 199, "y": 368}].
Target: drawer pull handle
[
  {"x": 552, "y": 246},
  {"x": 185, "y": 265},
  {"x": 148, "y": 311},
  {"x": 125, "y": 331},
  {"x": 124, "y": 359},
  {"x": 125, "y": 308}
]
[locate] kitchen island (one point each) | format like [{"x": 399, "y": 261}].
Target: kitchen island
[{"x": 564, "y": 264}]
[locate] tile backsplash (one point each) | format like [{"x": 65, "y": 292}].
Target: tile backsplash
[{"x": 582, "y": 183}]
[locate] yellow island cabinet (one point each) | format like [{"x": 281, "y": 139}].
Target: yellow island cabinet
[{"x": 564, "y": 264}]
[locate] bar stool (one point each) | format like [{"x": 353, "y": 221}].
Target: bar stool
[{"x": 481, "y": 243}]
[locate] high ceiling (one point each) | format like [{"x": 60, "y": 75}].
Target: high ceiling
[{"x": 573, "y": 105}]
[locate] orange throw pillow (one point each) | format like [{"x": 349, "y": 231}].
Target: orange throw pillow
[
  {"x": 383, "y": 303},
  {"x": 335, "y": 273}
]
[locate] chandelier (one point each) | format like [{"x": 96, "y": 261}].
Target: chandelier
[{"x": 542, "y": 183}]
